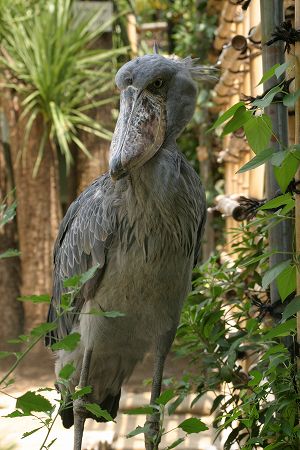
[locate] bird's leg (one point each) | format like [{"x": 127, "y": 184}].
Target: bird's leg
[
  {"x": 79, "y": 409},
  {"x": 152, "y": 437}
]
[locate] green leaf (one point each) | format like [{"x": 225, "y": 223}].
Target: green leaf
[
  {"x": 66, "y": 302},
  {"x": 290, "y": 99},
  {"x": 292, "y": 308},
  {"x": 99, "y": 412},
  {"x": 80, "y": 280},
  {"x": 286, "y": 282},
  {"x": 256, "y": 259},
  {"x": 14, "y": 414},
  {"x": 240, "y": 118},
  {"x": 174, "y": 405},
  {"x": 45, "y": 389},
  {"x": 138, "y": 430},
  {"x": 88, "y": 275},
  {"x": 5, "y": 354},
  {"x": 28, "y": 433},
  {"x": 258, "y": 130},
  {"x": 10, "y": 253},
  {"x": 226, "y": 115},
  {"x": 217, "y": 401},
  {"x": 165, "y": 397},
  {"x": 252, "y": 325},
  {"x": 31, "y": 401},
  {"x": 81, "y": 392},
  {"x": 66, "y": 372},
  {"x": 273, "y": 273},
  {"x": 192, "y": 425},
  {"x": 288, "y": 207},
  {"x": 141, "y": 410},
  {"x": 278, "y": 158},
  {"x": 283, "y": 329},
  {"x": 281, "y": 69},
  {"x": 114, "y": 314},
  {"x": 7, "y": 213},
  {"x": 35, "y": 298},
  {"x": 258, "y": 160},
  {"x": 295, "y": 150},
  {"x": 277, "y": 201},
  {"x": 43, "y": 329},
  {"x": 256, "y": 378},
  {"x": 275, "y": 349},
  {"x": 286, "y": 172},
  {"x": 269, "y": 74},
  {"x": 279, "y": 445},
  {"x": 109, "y": 314},
  {"x": 51, "y": 443},
  {"x": 267, "y": 99},
  {"x": 175, "y": 443},
  {"x": 72, "y": 282},
  {"x": 68, "y": 343}
]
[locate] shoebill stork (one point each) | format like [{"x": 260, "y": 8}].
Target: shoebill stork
[{"x": 141, "y": 223}]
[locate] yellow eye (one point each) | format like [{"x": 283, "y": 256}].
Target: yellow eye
[{"x": 158, "y": 83}]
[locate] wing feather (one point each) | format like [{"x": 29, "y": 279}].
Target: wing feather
[{"x": 84, "y": 236}]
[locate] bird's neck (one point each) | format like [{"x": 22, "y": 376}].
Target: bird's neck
[{"x": 152, "y": 188}]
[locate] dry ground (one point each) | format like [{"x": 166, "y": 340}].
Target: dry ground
[{"x": 37, "y": 372}]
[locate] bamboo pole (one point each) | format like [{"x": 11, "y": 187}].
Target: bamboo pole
[
  {"x": 230, "y": 14},
  {"x": 256, "y": 72},
  {"x": 232, "y": 51},
  {"x": 280, "y": 236},
  {"x": 132, "y": 34},
  {"x": 245, "y": 90},
  {"x": 230, "y": 59},
  {"x": 254, "y": 35},
  {"x": 214, "y": 6},
  {"x": 297, "y": 176}
]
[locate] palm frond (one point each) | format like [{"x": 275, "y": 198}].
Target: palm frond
[{"x": 47, "y": 56}]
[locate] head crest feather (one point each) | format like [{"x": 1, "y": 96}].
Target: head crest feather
[
  {"x": 197, "y": 71},
  {"x": 155, "y": 48}
]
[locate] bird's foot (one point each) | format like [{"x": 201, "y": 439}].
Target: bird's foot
[
  {"x": 80, "y": 414},
  {"x": 152, "y": 436}
]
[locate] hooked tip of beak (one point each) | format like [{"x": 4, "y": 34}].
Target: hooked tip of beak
[{"x": 116, "y": 170}]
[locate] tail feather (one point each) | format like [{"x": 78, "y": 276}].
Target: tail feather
[{"x": 110, "y": 404}]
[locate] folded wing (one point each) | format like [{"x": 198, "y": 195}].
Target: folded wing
[{"x": 84, "y": 237}]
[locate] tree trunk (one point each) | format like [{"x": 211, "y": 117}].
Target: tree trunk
[
  {"x": 38, "y": 209},
  {"x": 11, "y": 309},
  {"x": 90, "y": 168}
]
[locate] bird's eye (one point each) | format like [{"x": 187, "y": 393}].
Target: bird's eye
[{"x": 158, "y": 83}]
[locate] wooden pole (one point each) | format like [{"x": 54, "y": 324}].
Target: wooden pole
[
  {"x": 297, "y": 177},
  {"x": 280, "y": 236}
]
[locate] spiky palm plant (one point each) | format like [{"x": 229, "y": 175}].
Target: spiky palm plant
[{"x": 47, "y": 57}]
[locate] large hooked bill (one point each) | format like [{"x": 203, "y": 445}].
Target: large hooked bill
[{"x": 139, "y": 133}]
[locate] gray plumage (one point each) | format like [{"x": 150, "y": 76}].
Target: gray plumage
[{"x": 142, "y": 224}]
